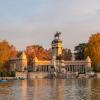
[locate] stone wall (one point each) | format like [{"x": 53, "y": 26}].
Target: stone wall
[
  {"x": 98, "y": 75},
  {"x": 21, "y": 75},
  {"x": 31, "y": 75}
]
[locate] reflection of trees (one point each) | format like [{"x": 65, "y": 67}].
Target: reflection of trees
[
  {"x": 33, "y": 89},
  {"x": 48, "y": 89},
  {"x": 94, "y": 89},
  {"x": 81, "y": 88},
  {"x": 24, "y": 89}
]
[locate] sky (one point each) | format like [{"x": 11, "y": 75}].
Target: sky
[{"x": 28, "y": 22}]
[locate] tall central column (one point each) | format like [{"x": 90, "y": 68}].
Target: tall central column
[{"x": 56, "y": 47}]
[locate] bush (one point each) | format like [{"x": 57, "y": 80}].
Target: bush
[
  {"x": 7, "y": 74},
  {"x": 96, "y": 68}
]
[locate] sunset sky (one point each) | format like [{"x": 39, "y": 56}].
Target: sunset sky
[{"x": 25, "y": 22}]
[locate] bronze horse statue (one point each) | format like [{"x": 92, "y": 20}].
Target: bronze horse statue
[{"x": 57, "y": 34}]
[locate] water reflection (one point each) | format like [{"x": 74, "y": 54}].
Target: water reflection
[
  {"x": 5, "y": 91},
  {"x": 94, "y": 89},
  {"x": 51, "y": 89}
]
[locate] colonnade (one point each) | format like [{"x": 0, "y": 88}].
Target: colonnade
[
  {"x": 69, "y": 68},
  {"x": 43, "y": 68},
  {"x": 76, "y": 68}
]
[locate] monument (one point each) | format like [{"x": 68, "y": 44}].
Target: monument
[{"x": 56, "y": 66}]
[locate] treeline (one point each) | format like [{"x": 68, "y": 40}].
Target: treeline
[
  {"x": 7, "y": 74},
  {"x": 44, "y": 54},
  {"x": 91, "y": 49},
  {"x": 8, "y": 51}
]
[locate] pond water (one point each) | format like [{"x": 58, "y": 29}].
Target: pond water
[{"x": 51, "y": 89}]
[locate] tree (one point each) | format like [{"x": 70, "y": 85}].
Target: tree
[
  {"x": 5, "y": 54},
  {"x": 93, "y": 50},
  {"x": 4, "y": 51},
  {"x": 67, "y": 54},
  {"x": 13, "y": 51},
  {"x": 80, "y": 51},
  {"x": 37, "y": 51}
]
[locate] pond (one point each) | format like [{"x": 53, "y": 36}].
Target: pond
[{"x": 51, "y": 89}]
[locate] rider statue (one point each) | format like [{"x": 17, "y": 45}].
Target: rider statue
[{"x": 57, "y": 34}]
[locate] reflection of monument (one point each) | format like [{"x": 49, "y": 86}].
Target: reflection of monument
[{"x": 41, "y": 68}]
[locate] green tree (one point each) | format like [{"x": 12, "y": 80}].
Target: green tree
[
  {"x": 67, "y": 54},
  {"x": 80, "y": 51}
]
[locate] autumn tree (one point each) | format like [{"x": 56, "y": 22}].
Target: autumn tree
[
  {"x": 13, "y": 51},
  {"x": 37, "y": 51},
  {"x": 93, "y": 50},
  {"x": 80, "y": 51},
  {"x": 48, "y": 54},
  {"x": 5, "y": 54}
]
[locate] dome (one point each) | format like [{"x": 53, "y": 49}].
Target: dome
[
  {"x": 35, "y": 59},
  {"x": 23, "y": 56},
  {"x": 88, "y": 59}
]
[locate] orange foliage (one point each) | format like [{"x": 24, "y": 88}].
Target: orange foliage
[
  {"x": 37, "y": 51},
  {"x": 93, "y": 50}
]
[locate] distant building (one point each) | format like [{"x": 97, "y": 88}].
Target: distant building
[
  {"x": 80, "y": 66},
  {"x": 19, "y": 63},
  {"x": 55, "y": 64}
]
